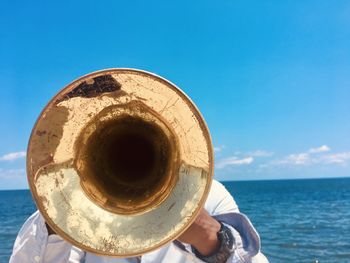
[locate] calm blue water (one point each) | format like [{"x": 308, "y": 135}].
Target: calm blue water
[{"x": 298, "y": 220}]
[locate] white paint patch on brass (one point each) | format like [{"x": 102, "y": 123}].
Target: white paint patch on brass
[{"x": 90, "y": 225}]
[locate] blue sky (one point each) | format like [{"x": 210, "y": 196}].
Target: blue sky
[{"x": 272, "y": 78}]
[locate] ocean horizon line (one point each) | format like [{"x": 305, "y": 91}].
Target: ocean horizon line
[{"x": 237, "y": 180}]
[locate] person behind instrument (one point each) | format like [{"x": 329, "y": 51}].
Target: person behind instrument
[
  {"x": 220, "y": 233},
  {"x": 120, "y": 163}
]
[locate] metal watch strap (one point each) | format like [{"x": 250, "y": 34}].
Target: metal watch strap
[{"x": 224, "y": 250}]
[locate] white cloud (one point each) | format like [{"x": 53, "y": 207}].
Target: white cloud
[
  {"x": 12, "y": 173},
  {"x": 219, "y": 148},
  {"x": 13, "y": 179},
  {"x": 13, "y": 156},
  {"x": 292, "y": 159},
  {"x": 336, "y": 158},
  {"x": 313, "y": 156},
  {"x": 233, "y": 160},
  {"x": 261, "y": 153},
  {"x": 298, "y": 159},
  {"x": 303, "y": 158},
  {"x": 323, "y": 148}
]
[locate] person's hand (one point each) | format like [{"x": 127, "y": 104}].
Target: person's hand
[{"x": 202, "y": 234}]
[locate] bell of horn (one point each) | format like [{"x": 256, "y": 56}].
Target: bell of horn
[{"x": 120, "y": 162}]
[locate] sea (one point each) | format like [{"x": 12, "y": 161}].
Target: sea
[{"x": 298, "y": 220}]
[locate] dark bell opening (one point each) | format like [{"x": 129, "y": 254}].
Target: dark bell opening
[
  {"x": 126, "y": 161},
  {"x": 130, "y": 155}
]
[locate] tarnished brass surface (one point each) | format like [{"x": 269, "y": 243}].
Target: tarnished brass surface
[{"x": 120, "y": 162}]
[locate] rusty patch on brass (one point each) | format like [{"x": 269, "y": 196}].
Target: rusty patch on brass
[
  {"x": 40, "y": 133},
  {"x": 93, "y": 88}
]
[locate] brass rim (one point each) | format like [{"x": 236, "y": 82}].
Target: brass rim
[{"x": 202, "y": 124}]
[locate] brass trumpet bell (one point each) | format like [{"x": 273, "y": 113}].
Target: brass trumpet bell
[{"x": 120, "y": 162}]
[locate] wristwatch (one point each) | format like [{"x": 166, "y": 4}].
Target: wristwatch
[{"x": 225, "y": 249}]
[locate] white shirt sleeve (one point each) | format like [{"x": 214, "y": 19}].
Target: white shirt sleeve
[
  {"x": 222, "y": 206},
  {"x": 33, "y": 244}
]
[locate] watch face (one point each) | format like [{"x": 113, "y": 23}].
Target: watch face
[
  {"x": 226, "y": 236},
  {"x": 226, "y": 239}
]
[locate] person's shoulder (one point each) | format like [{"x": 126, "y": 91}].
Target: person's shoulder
[
  {"x": 218, "y": 190},
  {"x": 33, "y": 219},
  {"x": 219, "y": 199},
  {"x": 36, "y": 215},
  {"x": 216, "y": 185}
]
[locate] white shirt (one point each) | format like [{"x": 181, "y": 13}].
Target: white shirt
[{"x": 33, "y": 244}]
